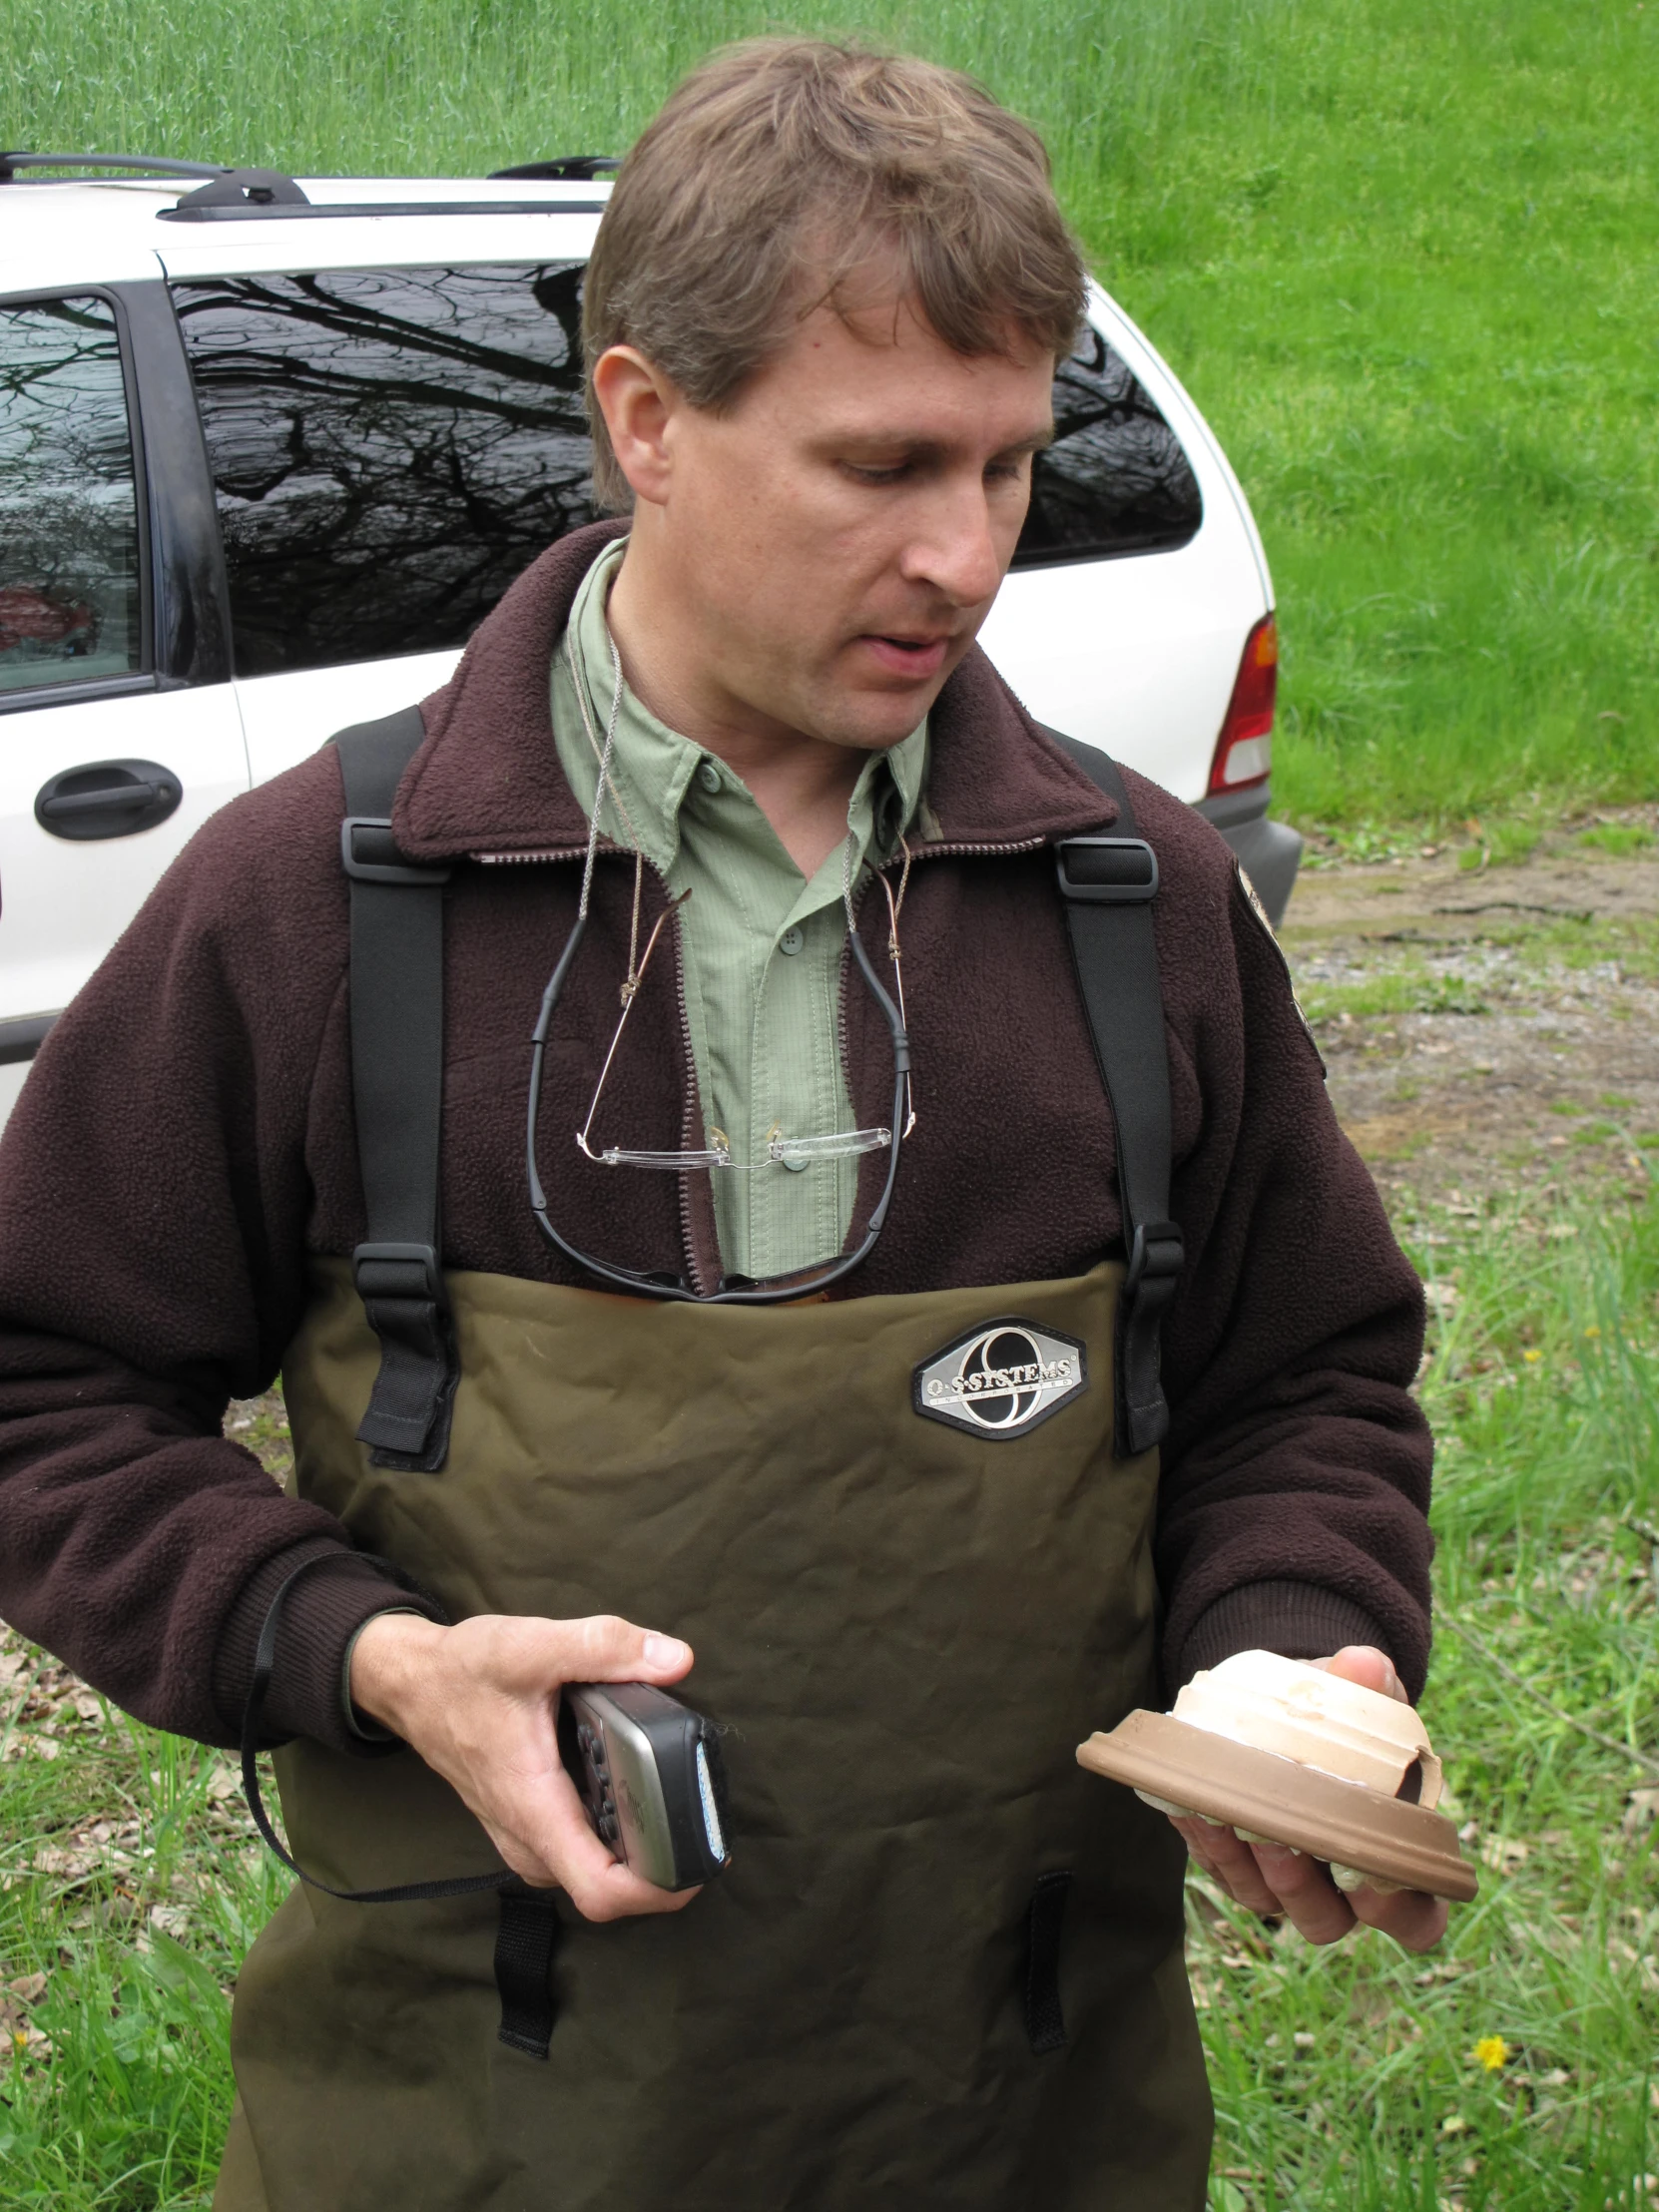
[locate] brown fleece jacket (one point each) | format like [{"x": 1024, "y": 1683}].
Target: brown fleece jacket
[{"x": 185, "y": 1143}]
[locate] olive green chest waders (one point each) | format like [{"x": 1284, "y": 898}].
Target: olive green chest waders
[{"x": 945, "y": 1969}]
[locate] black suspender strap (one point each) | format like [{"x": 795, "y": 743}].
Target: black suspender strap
[
  {"x": 396, "y": 1000},
  {"x": 1108, "y": 884}
]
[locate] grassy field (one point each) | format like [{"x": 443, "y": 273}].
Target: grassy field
[{"x": 1401, "y": 251}]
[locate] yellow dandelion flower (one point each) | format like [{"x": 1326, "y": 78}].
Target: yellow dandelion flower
[
  {"x": 1591, "y": 1333},
  {"x": 1492, "y": 2053},
  {"x": 1532, "y": 1357}
]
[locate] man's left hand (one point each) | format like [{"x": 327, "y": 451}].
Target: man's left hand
[{"x": 1271, "y": 1878}]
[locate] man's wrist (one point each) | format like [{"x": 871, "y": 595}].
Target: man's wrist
[
  {"x": 362, "y": 1723},
  {"x": 387, "y": 1653}
]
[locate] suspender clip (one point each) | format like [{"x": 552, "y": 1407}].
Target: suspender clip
[
  {"x": 1157, "y": 1253},
  {"x": 1107, "y": 871},
  {"x": 368, "y": 854},
  {"x": 403, "y": 1271}
]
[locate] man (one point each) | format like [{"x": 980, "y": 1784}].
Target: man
[{"x": 744, "y": 776}]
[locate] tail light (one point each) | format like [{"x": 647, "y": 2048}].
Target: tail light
[{"x": 1244, "y": 750}]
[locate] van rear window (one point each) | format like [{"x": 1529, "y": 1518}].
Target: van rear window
[
  {"x": 1116, "y": 480},
  {"x": 390, "y": 447}
]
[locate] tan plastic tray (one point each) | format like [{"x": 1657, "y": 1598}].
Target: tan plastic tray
[{"x": 1295, "y": 1804}]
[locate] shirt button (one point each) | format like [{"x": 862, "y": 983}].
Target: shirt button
[
  {"x": 709, "y": 776},
  {"x": 795, "y": 1164},
  {"x": 790, "y": 941}
]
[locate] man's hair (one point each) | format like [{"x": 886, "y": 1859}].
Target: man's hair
[{"x": 779, "y": 168}]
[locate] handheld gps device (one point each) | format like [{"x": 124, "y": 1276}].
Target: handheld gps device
[{"x": 650, "y": 1775}]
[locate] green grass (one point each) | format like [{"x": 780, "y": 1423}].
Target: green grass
[
  {"x": 1400, "y": 250},
  {"x": 128, "y": 1894},
  {"x": 1617, "y": 838},
  {"x": 1408, "y": 987}
]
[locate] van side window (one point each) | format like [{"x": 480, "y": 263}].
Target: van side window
[
  {"x": 390, "y": 449},
  {"x": 69, "y": 585},
  {"x": 1115, "y": 480}
]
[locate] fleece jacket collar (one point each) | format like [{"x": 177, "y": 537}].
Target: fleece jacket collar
[{"x": 487, "y": 784}]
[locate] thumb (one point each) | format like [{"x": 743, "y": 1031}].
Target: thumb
[
  {"x": 610, "y": 1649},
  {"x": 1370, "y": 1668}
]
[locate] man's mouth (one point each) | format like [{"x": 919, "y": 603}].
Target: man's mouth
[{"x": 917, "y": 657}]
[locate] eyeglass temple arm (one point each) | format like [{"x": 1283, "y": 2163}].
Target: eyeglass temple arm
[
  {"x": 538, "y": 1039},
  {"x": 901, "y": 1076},
  {"x": 635, "y": 979}
]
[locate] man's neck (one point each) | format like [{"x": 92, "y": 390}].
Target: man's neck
[{"x": 799, "y": 782}]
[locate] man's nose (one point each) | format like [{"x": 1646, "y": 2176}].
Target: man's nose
[{"x": 956, "y": 550}]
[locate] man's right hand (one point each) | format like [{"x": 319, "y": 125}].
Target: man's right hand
[{"x": 479, "y": 1702}]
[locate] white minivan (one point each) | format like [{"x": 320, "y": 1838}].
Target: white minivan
[{"x": 271, "y": 448}]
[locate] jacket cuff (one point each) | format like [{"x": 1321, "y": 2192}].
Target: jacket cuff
[
  {"x": 1296, "y": 1619},
  {"x": 320, "y": 1616}
]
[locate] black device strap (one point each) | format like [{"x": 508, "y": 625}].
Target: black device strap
[
  {"x": 1045, "y": 2022},
  {"x": 1108, "y": 884},
  {"x": 524, "y": 1946},
  {"x": 397, "y": 1003},
  {"x": 529, "y": 1917}
]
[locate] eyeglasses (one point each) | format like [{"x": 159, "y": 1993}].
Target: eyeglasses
[{"x": 781, "y": 1150}]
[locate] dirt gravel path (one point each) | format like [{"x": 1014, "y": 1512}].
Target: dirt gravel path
[{"x": 1487, "y": 1029}]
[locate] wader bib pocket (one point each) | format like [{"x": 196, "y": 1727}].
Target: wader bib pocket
[{"x": 944, "y": 1967}]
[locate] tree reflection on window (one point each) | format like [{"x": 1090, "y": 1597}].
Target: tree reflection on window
[
  {"x": 390, "y": 449},
  {"x": 1115, "y": 480}
]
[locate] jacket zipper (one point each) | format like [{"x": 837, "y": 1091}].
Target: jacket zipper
[
  {"x": 693, "y": 1096},
  {"x": 919, "y": 852}
]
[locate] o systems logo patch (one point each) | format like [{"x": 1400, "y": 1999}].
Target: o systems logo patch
[{"x": 1002, "y": 1379}]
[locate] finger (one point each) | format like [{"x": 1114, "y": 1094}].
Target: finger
[
  {"x": 609, "y": 1649},
  {"x": 1304, "y": 1891},
  {"x": 1415, "y": 1921},
  {"x": 1228, "y": 1858},
  {"x": 1191, "y": 1831},
  {"x": 1365, "y": 1665},
  {"x": 546, "y": 1839}
]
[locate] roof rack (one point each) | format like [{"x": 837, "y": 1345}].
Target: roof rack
[
  {"x": 10, "y": 164},
  {"x": 569, "y": 169},
  {"x": 225, "y": 193}
]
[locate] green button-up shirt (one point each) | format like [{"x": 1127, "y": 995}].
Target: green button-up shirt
[{"x": 762, "y": 945}]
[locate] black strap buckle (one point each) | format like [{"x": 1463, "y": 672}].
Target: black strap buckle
[
  {"x": 1157, "y": 1253},
  {"x": 368, "y": 854},
  {"x": 412, "y": 1271},
  {"x": 1107, "y": 871}
]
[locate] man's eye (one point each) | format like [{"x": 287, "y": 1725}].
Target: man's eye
[
  {"x": 1007, "y": 472},
  {"x": 867, "y": 475}
]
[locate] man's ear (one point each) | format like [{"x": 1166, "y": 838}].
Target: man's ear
[{"x": 637, "y": 401}]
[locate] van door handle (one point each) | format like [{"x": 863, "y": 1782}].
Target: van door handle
[{"x": 107, "y": 799}]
